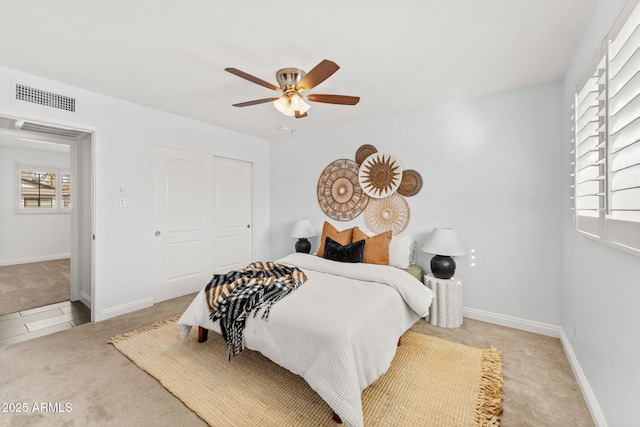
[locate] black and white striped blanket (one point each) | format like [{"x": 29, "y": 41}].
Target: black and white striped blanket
[{"x": 236, "y": 294}]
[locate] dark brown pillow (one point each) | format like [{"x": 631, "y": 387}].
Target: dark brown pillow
[
  {"x": 343, "y": 237},
  {"x": 352, "y": 252},
  {"x": 376, "y": 248}
]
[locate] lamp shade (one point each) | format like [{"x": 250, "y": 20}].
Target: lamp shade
[
  {"x": 298, "y": 104},
  {"x": 284, "y": 106},
  {"x": 444, "y": 241},
  {"x": 303, "y": 228}
]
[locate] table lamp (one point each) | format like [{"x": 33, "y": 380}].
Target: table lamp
[
  {"x": 303, "y": 229},
  {"x": 444, "y": 243}
]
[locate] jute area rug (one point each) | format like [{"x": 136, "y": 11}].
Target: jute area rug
[{"x": 431, "y": 382}]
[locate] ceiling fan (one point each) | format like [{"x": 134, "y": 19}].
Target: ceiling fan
[{"x": 293, "y": 83}]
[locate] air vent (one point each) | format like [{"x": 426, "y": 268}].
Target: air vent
[
  {"x": 41, "y": 97},
  {"x": 50, "y": 130}
]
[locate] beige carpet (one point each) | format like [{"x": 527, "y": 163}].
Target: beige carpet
[
  {"x": 106, "y": 389},
  {"x": 432, "y": 382},
  {"x": 36, "y": 284}
]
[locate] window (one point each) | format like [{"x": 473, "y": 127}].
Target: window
[
  {"x": 43, "y": 190},
  {"x": 65, "y": 190},
  {"x": 607, "y": 141}
]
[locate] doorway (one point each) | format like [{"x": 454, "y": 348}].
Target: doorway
[{"x": 27, "y": 136}]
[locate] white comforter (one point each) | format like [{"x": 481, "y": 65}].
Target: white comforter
[{"x": 339, "y": 330}]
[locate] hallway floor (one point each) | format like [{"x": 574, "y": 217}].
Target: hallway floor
[{"x": 36, "y": 322}]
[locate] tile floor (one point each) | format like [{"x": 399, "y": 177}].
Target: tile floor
[{"x": 37, "y": 322}]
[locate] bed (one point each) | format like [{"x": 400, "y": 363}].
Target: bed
[{"x": 339, "y": 330}]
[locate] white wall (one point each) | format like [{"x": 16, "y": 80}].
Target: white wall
[
  {"x": 601, "y": 285},
  {"x": 491, "y": 169},
  {"x": 125, "y": 137},
  {"x": 29, "y": 237}
]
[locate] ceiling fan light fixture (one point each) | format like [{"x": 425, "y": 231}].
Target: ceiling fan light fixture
[
  {"x": 293, "y": 82},
  {"x": 304, "y": 107},
  {"x": 298, "y": 104},
  {"x": 296, "y": 101},
  {"x": 280, "y": 104},
  {"x": 283, "y": 104}
]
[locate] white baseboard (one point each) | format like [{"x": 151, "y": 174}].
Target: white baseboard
[
  {"x": 108, "y": 313},
  {"x": 28, "y": 260},
  {"x": 551, "y": 331},
  {"x": 585, "y": 387},
  {"x": 512, "y": 322},
  {"x": 85, "y": 298}
]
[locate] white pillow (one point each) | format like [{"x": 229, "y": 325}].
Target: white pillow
[{"x": 401, "y": 251}]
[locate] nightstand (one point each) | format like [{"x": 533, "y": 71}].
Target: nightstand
[{"x": 446, "y": 308}]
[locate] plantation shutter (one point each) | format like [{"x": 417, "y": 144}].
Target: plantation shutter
[
  {"x": 606, "y": 141},
  {"x": 590, "y": 152},
  {"x": 623, "y": 215}
]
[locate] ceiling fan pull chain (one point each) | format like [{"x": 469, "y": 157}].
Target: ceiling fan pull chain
[{"x": 292, "y": 128}]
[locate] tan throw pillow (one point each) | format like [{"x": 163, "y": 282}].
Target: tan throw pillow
[
  {"x": 376, "y": 248},
  {"x": 343, "y": 237}
]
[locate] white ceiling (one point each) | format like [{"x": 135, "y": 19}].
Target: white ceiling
[{"x": 397, "y": 56}]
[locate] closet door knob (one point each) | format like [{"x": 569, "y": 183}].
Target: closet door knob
[{"x": 158, "y": 233}]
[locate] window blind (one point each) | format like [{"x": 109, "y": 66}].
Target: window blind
[
  {"x": 607, "y": 140},
  {"x": 590, "y": 153}
]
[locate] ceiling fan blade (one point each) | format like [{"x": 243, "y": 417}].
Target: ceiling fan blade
[
  {"x": 252, "y": 79},
  {"x": 317, "y": 75},
  {"x": 254, "y": 102},
  {"x": 334, "y": 99},
  {"x": 299, "y": 116}
]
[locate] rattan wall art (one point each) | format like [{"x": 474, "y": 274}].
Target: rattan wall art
[
  {"x": 391, "y": 213},
  {"x": 339, "y": 192},
  {"x": 375, "y": 184},
  {"x": 380, "y": 175},
  {"x": 411, "y": 183},
  {"x": 364, "y": 151}
]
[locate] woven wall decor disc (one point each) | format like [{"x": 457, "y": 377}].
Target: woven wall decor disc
[
  {"x": 411, "y": 183},
  {"x": 363, "y": 152},
  {"x": 391, "y": 213},
  {"x": 339, "y": 193},
  {"x": 380, "y": 175}
]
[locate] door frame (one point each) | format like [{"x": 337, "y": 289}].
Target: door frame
[{"x": 75, "y": 238}]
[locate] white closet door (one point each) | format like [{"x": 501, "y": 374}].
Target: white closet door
[
  {"x": 233, "y": 188},
  {"x": 182, "y": 222}
]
